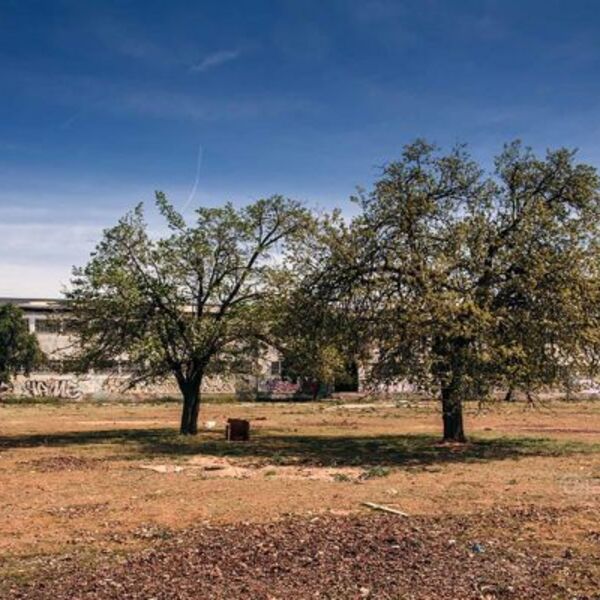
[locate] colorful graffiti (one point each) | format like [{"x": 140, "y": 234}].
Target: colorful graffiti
[{"x": 280, "y": 386}]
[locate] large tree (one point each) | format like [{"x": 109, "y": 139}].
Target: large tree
[
  {"x": 187, "y": 303},
  {"x": 19, "y": 349},
  {"x": 464, "y": 282}
]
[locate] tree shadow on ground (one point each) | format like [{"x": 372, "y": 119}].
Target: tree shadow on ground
[{"x": 388, "y": 450}]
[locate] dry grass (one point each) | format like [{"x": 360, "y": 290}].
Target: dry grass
[{"x": 72, "y": 482}]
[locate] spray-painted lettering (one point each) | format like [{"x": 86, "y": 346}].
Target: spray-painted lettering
[{"x": 52, "y": 388}]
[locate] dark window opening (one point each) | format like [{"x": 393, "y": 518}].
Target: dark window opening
[
  {"x": 276, "y": 368},
  {"x": 47, "y": 326}
]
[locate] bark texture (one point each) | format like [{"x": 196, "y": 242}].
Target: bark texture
[
  {"x": 452, "y": 415},
  {"x": 191, "y": 407}
]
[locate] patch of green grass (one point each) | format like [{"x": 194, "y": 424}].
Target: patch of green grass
[
  {"x": 279, "y": 459},
  {"x": 116, "y": 401},
  {"x": 30, "y": 401},
  {"x": 342, "y": 477},
  {"x": 146, "y": 401},
  {"x": 377, "y": 471},
  {"x": 221, "y": 399}
]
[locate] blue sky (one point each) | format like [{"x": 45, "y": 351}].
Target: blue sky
[{"x": 103, "y": 102}]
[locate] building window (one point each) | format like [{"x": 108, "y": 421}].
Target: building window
[
  {"x": 276, "y": 368},
  {"x": 47, "y": 326}
]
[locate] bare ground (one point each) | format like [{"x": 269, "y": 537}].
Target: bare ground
[{"x": 107, "y": 501}]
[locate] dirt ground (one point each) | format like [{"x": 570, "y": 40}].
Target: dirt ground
[{"x": 83, "y": 485}]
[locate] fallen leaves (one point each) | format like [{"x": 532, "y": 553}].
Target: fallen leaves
[
  {"x": 361, "y": 556},
  {"x": 49, "y": 464}
]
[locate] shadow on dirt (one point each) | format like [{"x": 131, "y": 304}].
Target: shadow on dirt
[{"x": 389, "y": 450}]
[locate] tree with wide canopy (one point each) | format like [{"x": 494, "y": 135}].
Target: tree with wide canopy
[
  {"x": 187, "y": 303},
  {"x": 462, "y": 282}
]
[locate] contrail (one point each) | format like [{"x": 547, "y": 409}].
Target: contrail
[{"x": 196, "y": 180}]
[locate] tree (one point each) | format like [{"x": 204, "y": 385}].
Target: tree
[
  {"x": 464, "y": 282},
  {"x": 313, "y": 334},
  {"x": 311, "y": 341},
  {"x": 186, "y": 304},
  {"x": 19, "y": 349}
]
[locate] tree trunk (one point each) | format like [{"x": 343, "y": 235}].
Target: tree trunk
[
  {"x": 191, "y": 407},
  {"x": 452, "y": 415}
]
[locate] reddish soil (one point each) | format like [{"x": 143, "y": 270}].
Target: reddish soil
[{"x": 282, "y": 516}]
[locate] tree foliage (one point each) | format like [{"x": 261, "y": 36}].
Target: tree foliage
[
  {"x": 19, "y": 349},
  {"x": 315, "y": 336},
  {"x": 464, "y": 281},
  {"x": 187, "y": 303}
]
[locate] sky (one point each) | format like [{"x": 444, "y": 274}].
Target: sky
[{"x": 103, "y": 102}]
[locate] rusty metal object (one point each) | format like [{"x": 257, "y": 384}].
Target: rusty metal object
[{"x": 237, "y": 430}]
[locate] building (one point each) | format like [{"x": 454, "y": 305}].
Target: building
[{"x": 49, "y": 320}]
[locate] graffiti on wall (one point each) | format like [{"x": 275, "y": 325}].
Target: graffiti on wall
[
  {"x": 52, "y": 388},
  {"x": 114, "y": 384},
  {"x": 280, "y": 386},
  {"x": 217, "y": 384},
  {"x": 397, "y": 387}
]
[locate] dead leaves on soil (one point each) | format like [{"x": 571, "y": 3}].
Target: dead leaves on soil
[{"x": 366, "y": 556}]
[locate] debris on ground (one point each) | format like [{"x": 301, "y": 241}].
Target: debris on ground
[
  {"x": 383, "y": 508},
  {"x": 65, "y": 462},
  {"x": 358, "y": 556},
  {"x": 237, "y": 430}
]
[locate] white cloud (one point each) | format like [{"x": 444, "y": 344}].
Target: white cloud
[
  {"x": 36, "y": 258},
  {"x": 44, "y": 232},
  {"x": 215, "y": 59},
  {"x": 32, "y": 280}
]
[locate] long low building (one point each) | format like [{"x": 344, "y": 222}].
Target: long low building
[{"x": 50, "y": 321}]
